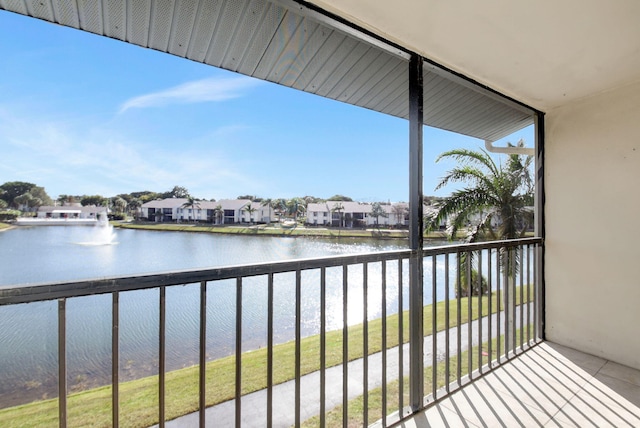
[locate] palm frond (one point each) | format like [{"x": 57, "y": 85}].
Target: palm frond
[{"x": 471, "y": 157}]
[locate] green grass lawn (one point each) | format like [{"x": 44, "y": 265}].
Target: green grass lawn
[
  {"x": 275, "y": 230},
  {"x": 4, "y": 226},
  {"x": 139, "y": 398}
]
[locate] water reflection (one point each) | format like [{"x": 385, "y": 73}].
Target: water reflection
[{"x": 28, "y": 345}]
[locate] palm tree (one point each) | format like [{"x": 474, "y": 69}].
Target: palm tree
[
  {"x": 280, "y": 205},
  {"x": 499, "y": 193},
  {"x": 134, "y": 206},
  {"x": 494, "y": 206},
  {"x": 218, "y": 214},
  {"x": 22, "y": 201},
  {"x": 338, "y": 208},
  {"x": 119, "y": 205},
  {"x": 295, "y": 206},
  {"x": 249, "y": 209},
  {"x": 192, "y": 203}
]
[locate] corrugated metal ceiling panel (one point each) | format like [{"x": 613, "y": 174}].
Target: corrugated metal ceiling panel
[{"x": 282, "y": 42}]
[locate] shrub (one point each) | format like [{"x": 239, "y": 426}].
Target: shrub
[
  {"x": 8, "y": 215},
  {"x": 478, "y": 286}
]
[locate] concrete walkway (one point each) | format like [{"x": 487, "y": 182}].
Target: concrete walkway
[{"x": 254, "y": 405}]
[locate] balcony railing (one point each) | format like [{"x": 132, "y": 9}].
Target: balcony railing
[{"x": 346, "y": 314}]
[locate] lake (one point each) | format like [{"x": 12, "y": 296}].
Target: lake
[{"x": 28, "y": 341}]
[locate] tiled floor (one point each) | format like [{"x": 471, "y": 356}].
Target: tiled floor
[{"x": 550, "y": 385}]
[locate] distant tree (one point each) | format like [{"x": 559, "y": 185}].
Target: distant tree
[
  {"x": 119, "y": 204},
  {"x": 176, "y": 192},
  {"x": 400, "y": 212},
  {"x": 378, "y": 211},
  {"x": 133, "y": 207},
  {"x": 34, "y": 203},
  {"x": 152, "y": 196},
  {"x": 312, "y": 200},
  {"x": 145, "y": 195},
  {"x": 192, "y": 203},
  {"x": 340, "y": 198},
  {"x": 39, "y": 193},
  {"x": 15, "y": 188},
  {"x": 280, "y": 207},
  {"x": 3, "y": 204},
  {"x": 250, "y": 210},
  {"x": 96, "y": 200},
  {"x": 249, "y": 197},
  {"x": 126, "y": 196},
  {"x": 65, "y": 199},
  {"x": 295, "y": 206},
  {"x": 22, "y": 201}
]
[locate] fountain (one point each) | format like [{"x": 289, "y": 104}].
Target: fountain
[{"x": 102, "y": 233}]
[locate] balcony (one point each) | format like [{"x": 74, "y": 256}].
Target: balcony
[
  {"x": 550, "y": 385},
  {"x": 353, "y": 353}
]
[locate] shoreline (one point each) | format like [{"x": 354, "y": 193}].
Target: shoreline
[{"x": 270, "y": 230}]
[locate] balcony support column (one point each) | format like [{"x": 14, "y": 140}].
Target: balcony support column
[
  {"x": 416, "y": 333},
  {"x": 540, "y": 224}
]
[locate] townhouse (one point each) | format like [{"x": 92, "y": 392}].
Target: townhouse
[{"x": 224, "y": 211}]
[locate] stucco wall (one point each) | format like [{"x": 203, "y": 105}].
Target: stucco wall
[{"x": 593, "y": 225}]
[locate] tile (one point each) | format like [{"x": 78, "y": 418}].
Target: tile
[
  {"x": 573, "y": 359},
  {"x": 556, "y": 371},
  {"x": 599, "y": 405},
  {"x": 561, "y": 378},
  {"x": 483, "y": 405},
  {"x": 544, "y": 395},
  {"x": 621, "y": 372},
  {"x": 614, "y": 393},
  {"x": 436, "y": 417}
]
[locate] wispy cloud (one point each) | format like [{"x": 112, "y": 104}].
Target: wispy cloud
[
  {"x": 197, "y": 91},
  {"x": 72, "y": 158}
]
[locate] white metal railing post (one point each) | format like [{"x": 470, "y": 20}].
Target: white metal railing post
[{"x": 416, "y": 334}]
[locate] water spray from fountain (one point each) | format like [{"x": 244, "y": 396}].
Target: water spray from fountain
[{"x": 102, "y": 233}]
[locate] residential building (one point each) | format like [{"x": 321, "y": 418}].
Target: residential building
[
  {"x": 71, "y": 212},
  {"x": 232, "y": 211}
]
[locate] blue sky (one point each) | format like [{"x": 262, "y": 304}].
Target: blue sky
[{"x": 83, "y": 114}]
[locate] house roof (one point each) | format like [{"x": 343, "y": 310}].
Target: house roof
[
  {"x": 71, "y": 209},
  {"x": 291, "y": 44},
  {"x": 165, "y": 203},
  {"x": 235, "y": 204},
  {"x": 226, "y": 204}
]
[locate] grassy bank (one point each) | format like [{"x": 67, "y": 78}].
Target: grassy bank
[
  {"x": 138, "y": 399},
  {"x": 4, "y": 226},
  {"x": 276, "y": 230}
]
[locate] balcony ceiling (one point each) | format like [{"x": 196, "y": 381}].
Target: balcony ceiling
[
  {"x": 284, "y": 42},
  {"x": 544, "y": 53}
]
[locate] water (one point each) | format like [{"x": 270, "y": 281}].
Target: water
[{"x": 28, "y": 338}]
